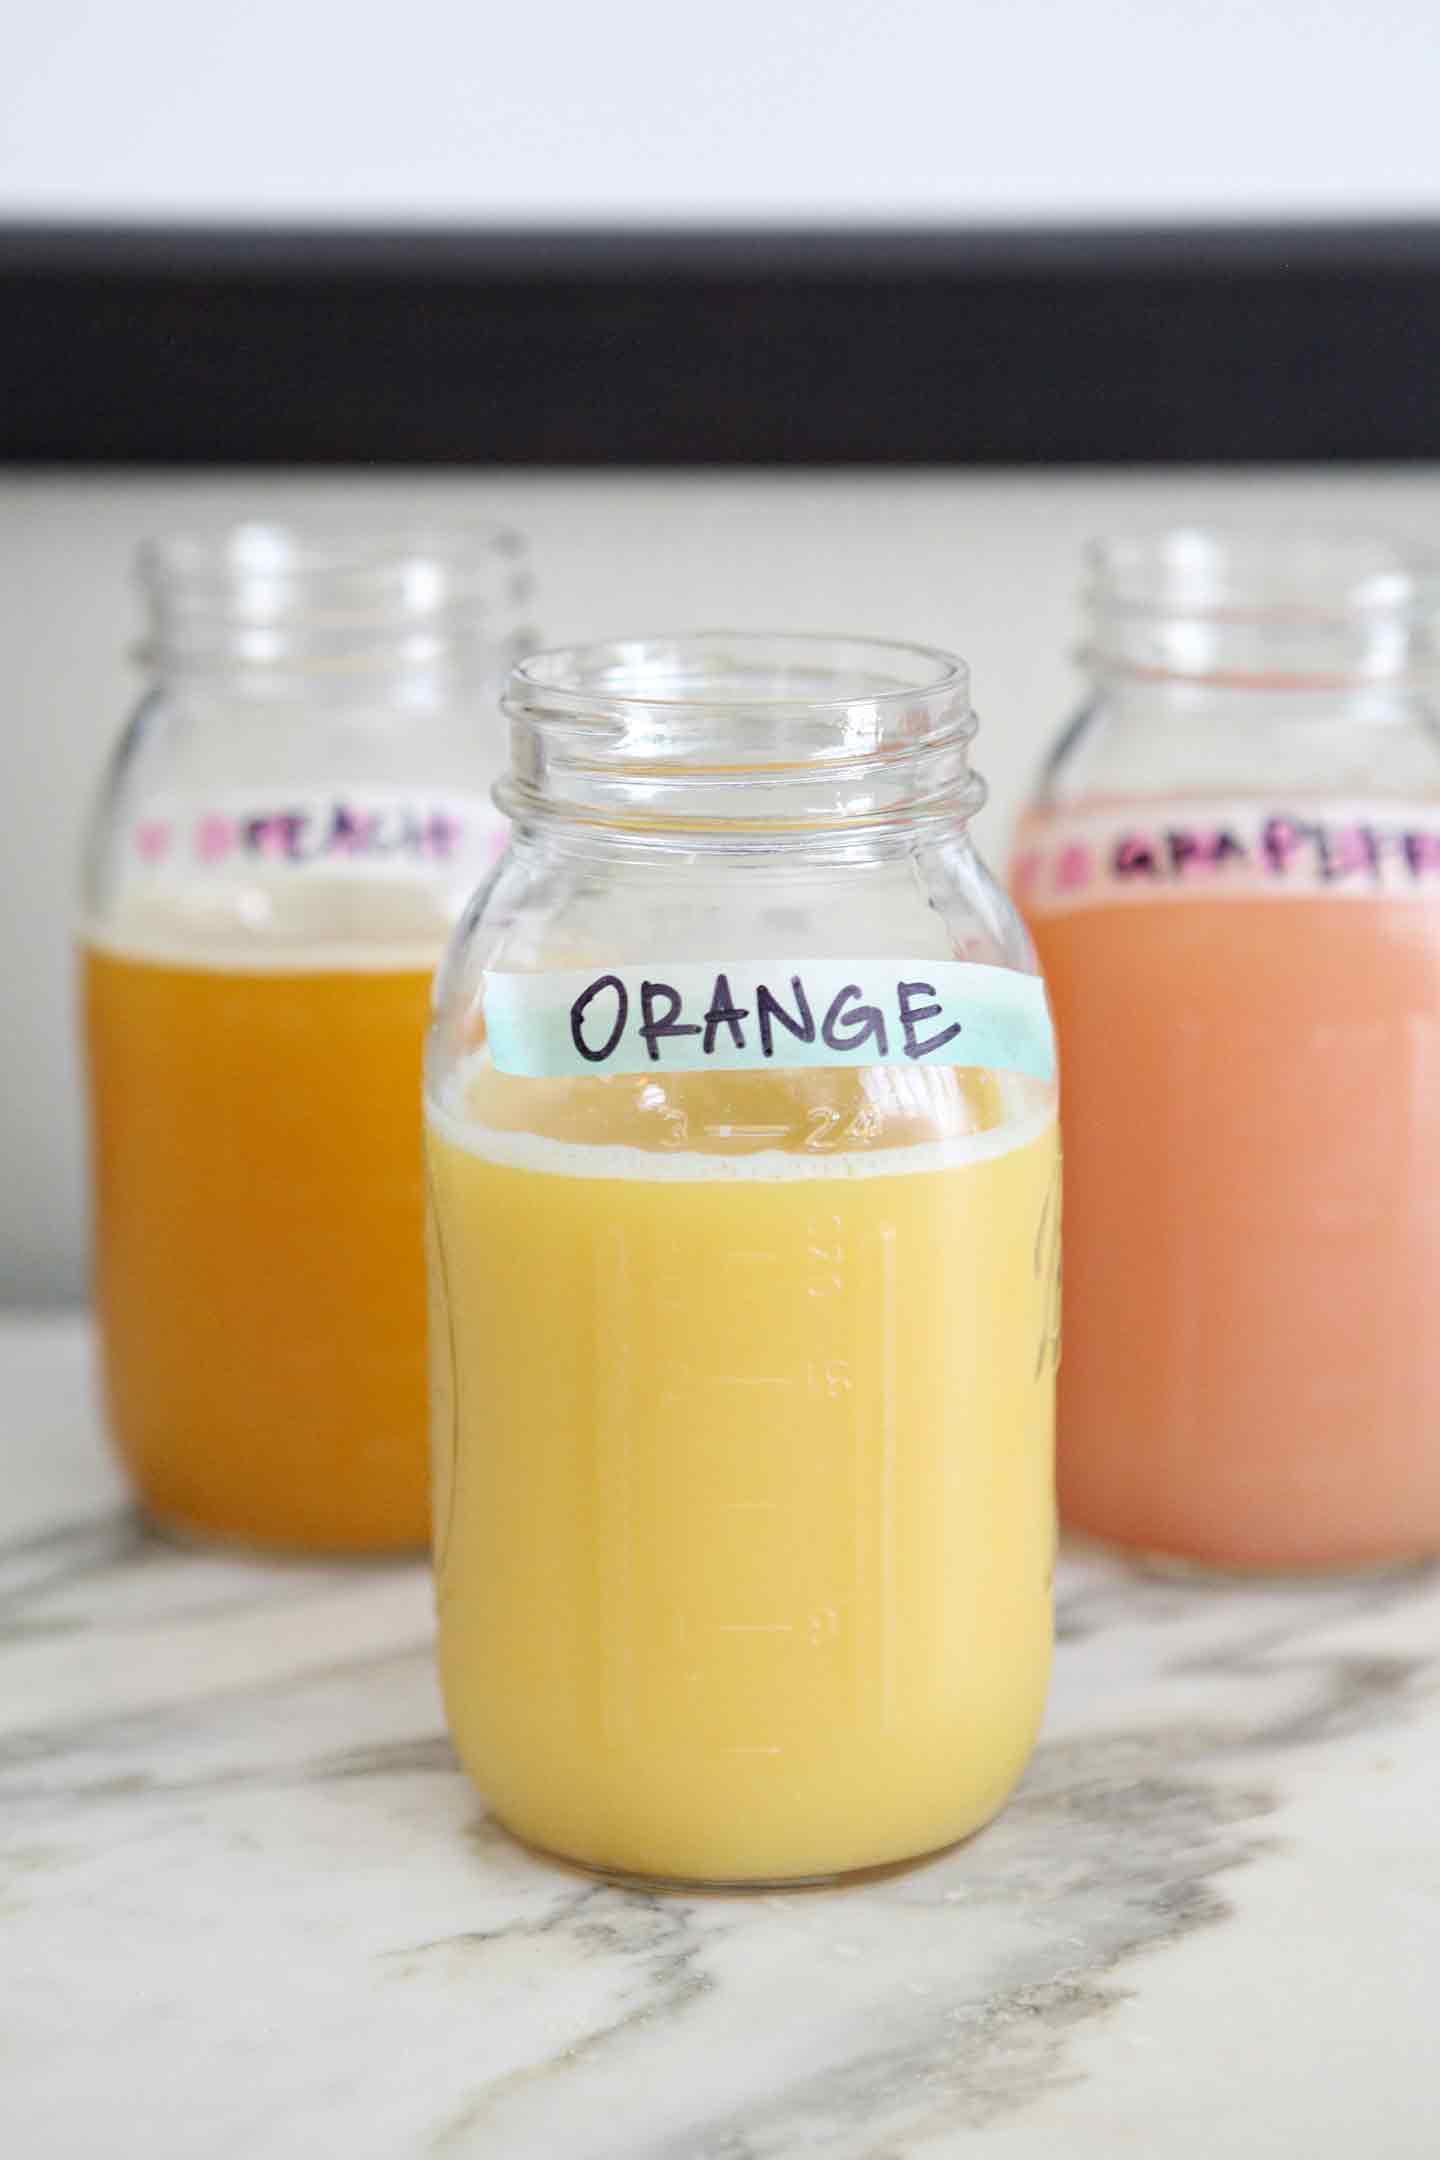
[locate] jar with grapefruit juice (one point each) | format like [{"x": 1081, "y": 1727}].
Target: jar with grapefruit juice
[
  {"x": 286, "y": 834},
  {"x": 744, "y": 1249},
  {"x": 1232, "y": 874}
]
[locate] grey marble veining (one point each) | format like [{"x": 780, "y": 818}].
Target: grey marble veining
[{"x": 248, "y": 1907}]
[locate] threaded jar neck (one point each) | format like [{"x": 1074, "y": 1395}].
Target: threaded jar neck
[
  {"x": 1286, "y": 611},
  {"x": 269, "y": 607},
  {"x": 742, "y": 740}
]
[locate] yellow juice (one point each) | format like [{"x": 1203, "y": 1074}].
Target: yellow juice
[{"x": 744, "y": 1515}]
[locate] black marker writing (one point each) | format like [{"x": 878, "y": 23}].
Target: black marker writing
[
  {"x": 1280, "y": 839},
  {"x": 910, "y": 1013},
  {"x": 862, "y": 1025},
  {"x": 1132, "y": 858},
  {"x": 1356, "y": 847},
  {"x": 654, "y": 1026},
  {"x": 622, "y": 1014},
  {"x": 633, "y": 1025},
  {"x": 1421, "y": 851},
  {"x": 768, "y": 1009},
  {"x": 724, "y": 1012}
]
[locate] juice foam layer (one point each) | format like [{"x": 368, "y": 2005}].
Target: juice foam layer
[
  {"x": 303, "y": 925},
  {"x": 1030, "y": 1114}
]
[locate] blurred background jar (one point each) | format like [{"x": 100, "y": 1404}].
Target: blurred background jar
[
  {"x": 1232, "y": 873},
  {"x": 287, "y": 830},
  {"x": 742, "y": 1146}
]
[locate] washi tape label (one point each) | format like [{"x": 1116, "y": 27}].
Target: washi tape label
[
  {"x": 1198, "y": 850},
  {"x": 744, "y": 1016},
  {"x": 363, "y": 828}
]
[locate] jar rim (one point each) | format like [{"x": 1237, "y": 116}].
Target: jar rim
[
  {"x": 267, "y": 603},
  {"x": 663, "y": 671},
  {"x": 1244, "y": 573},
  {"x": 268, "y": 556},
  {"x": 728, "y": 735}
]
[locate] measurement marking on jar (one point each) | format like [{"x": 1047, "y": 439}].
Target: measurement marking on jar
[
  {"x": 755, "y": 1627},
  {"x": 889, "y": 1383},
  {"x": 739, "y": 1379},
  {"x": 614, "y": 1382}
]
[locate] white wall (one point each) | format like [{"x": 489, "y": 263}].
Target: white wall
[
  {"x": 928, "y": 109},
  {"x": 984, "y": 564}
]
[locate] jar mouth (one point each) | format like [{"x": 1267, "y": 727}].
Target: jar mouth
[
  {"x": 712, "y": 729},
  {"x": 260, "y": 562},
  {"x": 268, "y": 598},
  {"x": 729, "y": 670},
  {"x": 1235, "y": 572},
  {"x": 1251, "y": 606}
]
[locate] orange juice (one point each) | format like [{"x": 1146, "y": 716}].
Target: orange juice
[
  {"x": 1252, "y": 1221},
  {"x": 259, "y": 1214},
  {"x": 744, "y": 1513}
]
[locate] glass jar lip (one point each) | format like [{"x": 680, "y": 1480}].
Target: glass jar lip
[
  {"x": 414, "y": 567},
  {"x": 737, "y": 737},
  {"x": 1258, "y": 574},
  {"x": 613, "y": 677}
]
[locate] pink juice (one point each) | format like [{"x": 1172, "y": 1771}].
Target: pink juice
[{"x": 1251, "y": 1125}]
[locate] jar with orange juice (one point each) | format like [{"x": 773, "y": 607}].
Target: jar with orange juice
[
  {"x": 744, "y": 1250},
  {"x": 287, "y": 831},
  {"x": 1232, "y": 873}
]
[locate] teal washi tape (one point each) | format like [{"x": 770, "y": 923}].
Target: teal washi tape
[{"x": 703, "y": 1017}]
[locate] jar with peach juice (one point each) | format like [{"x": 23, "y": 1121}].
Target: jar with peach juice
[
  {"x": 287, "y": 832},
  {"x": 1232, "y": 874},
  {"x": 744, "y": 1238}
]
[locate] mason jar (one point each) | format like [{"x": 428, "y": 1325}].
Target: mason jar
[
  {"x": 287, "y": 830},
  {"x": 1232, "y": 873},
  {"x": 744, "y": 1235}
]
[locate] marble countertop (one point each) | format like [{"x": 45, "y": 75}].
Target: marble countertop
[{"x": 249, "y": 1909}]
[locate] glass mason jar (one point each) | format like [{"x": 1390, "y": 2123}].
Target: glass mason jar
[
  {"x": 1232, "y": 872},
  {"x": 288, "y": 829},
  {"x": 741, "y": 1129}
]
